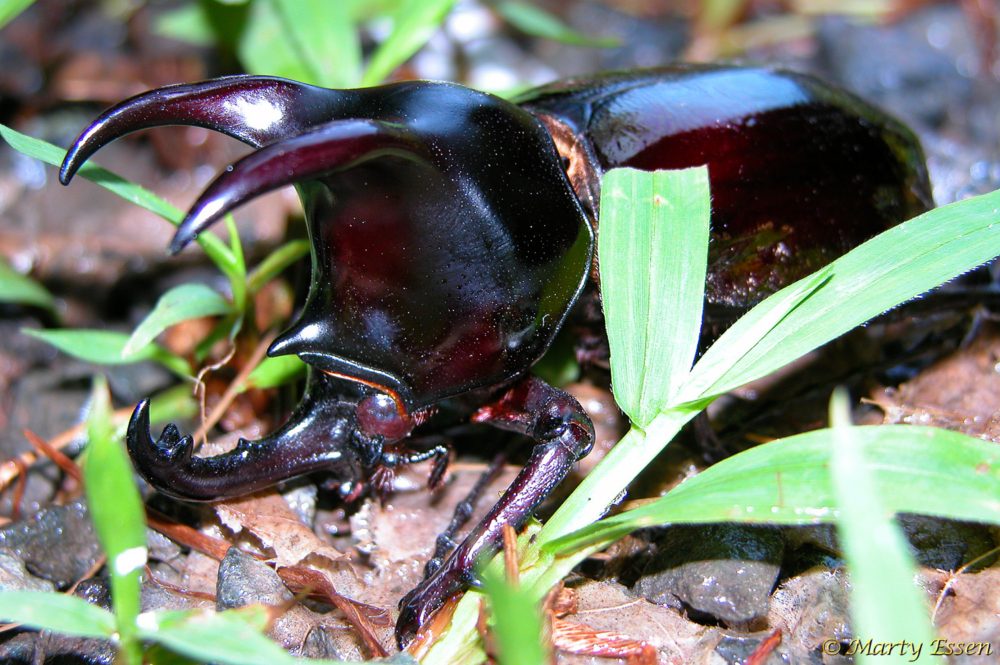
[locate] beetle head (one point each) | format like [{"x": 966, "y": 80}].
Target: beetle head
[{"x": 447, "y": 243}]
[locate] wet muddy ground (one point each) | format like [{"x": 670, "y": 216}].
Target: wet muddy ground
[{"x": 691, "y": 594}]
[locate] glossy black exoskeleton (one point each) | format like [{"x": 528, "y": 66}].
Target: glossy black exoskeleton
[{"x": 452, "y": 232}]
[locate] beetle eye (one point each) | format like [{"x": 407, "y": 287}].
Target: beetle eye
[{"x": 565, "y": 162}]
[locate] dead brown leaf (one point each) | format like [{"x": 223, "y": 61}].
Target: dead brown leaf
[
  {"x": 363, "y": 617},
  {"x": 275, "y": 524},
  {"x": 579, "y": 639}
]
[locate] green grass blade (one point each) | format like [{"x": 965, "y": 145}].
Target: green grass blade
[
  {"x": 326, "y": 39},
  {"x": 188, "y": 23},
  {"x": 894, "y": 267},
  {"x": 276, "y": 262},
  {"x": 181, "y": 303},
  {"x": 131, "y": 192},
  {"x": 744, "y": 335},
  {"x": 105, "y": 347},
  {"x": 413, "y": 24},
  {"x": 119, "y": 518},
  {"x": 264, "y": 46},
  {"x": 537, "y": 22},
  {"x": 223, "y": 637},
  {"x": 230, "y": 638},
  {"x": 653, "y": 249},
  {"x": 884, "y": 599},
  {"x": 916, "y": 470},
  {"x": 9, "y": 9},
  {"x": 57, "y": 612},
  {"x": 22, "y": 290},
  {"x": 613, "y": 474},
  {"x": 274, "y": 372},
  {"x": 172, "y": 404},
  {"x": 517, "y": 622}
]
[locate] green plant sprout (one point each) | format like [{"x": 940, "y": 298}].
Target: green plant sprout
[
  {"x": 232, "y": 637},
  {"x": 914, "y": 469}
]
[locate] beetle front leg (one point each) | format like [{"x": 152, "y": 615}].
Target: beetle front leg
[
  {"x": 564, "y": 434},
  {"x": 317, "y": 436}
]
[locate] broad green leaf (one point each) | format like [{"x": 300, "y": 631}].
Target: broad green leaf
[
  {"x": 653, "y": 249},
  {"x": 412, "y": 25},
  {"x": 895, "y": 266},
  {"x": 325, "y": 38},
  {"x": 118, "y": 515},
  {"x": 883, "y": 597},
  {"x": 274, "y": 372},
  {"x": 104, "y": 347},
  {"x": 916, "y": 470},
  {"x": 50, "y": 154},
  {"x": 57, "y": 612},
  {"x": 9, "y": 9},
  {"x": 537, "y": 22},
  {"x": 22, "y": 290},
  {"x": 188, "y": 301},
  {"x": 517, "y": 622}
]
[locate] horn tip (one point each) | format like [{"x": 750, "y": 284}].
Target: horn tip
[
  {"x": 68, "y": 167},
  {"x": 179, "y": 242}
]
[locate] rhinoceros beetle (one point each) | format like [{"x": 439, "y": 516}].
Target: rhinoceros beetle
[{"x": 452, "y": 232}]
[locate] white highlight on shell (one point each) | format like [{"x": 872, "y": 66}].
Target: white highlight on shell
[{"x": 257, "y": 114}]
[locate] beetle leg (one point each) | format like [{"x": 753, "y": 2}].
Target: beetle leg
[
  {"x": 563, "y": 434},
  {"x": 394, "y": 457},
  {"x": 254, "y": 109},
  {"x": 321, "y": 151},
  {"x": 463, "y": 513},
  {"x": 316, "y": 436}
]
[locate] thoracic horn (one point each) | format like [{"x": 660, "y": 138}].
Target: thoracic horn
[{"x": 331, "y": 147}]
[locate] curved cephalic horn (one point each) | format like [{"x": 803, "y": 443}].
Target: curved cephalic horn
[
  {"x": 331, "y": 147},
  {"x": 253, "y": 109},
  {"x": 316, "y": 436}
]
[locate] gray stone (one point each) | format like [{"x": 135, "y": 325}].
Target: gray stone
[
  {"x": 57, "y": 543},
  {"x": 724, "y": 571}
]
